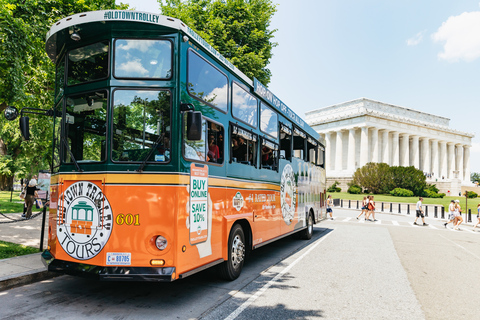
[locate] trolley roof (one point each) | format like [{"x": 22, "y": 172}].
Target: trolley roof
[{"x": 95, "y": 22}]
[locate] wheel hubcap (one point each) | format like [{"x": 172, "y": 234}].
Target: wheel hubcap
[{"x": 238, "y": 251}]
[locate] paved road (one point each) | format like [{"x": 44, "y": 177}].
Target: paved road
[{"x": 387, "y": 269}]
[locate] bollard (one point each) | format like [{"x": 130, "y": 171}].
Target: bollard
[
  {"x": 443, "y": 212},
  {"x": 382, "y": 206},
  {"x": 469, "y": 215},
  {"x": 426, "y": 211},
  {"x": 391, "y": 209},
  {"x": 349, "y": 204},
  {"x": 436, "y": 213},
  {"x": 408, "y": 208},
  {"x": 341, "y": 203},
  {"x": 399, "y": 208},
  {"x": 358, "y": 204}
]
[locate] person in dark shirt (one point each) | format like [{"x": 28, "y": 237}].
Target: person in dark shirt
[{"x": 30, "y": 196}]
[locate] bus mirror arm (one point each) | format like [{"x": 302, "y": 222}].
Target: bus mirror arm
[{"x": 11, "y": 113}]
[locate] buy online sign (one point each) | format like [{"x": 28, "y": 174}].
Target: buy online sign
[{"x": 198, "y": 203}]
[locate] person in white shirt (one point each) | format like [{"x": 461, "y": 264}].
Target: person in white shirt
[
  {"x": 451, "y": 209},
  {"x": 420, "y": 212}
]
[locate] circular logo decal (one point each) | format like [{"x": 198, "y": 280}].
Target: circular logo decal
[
  {"x": 85, "y": 220},
  {"x": 287, "y": 194}
]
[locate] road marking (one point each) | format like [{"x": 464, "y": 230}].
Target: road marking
[
  {"x": 473, "y": 254},
  {"x": 347, "y": 219},
  {"x": 361, "y": 221},
  {"x": 395, "y": 223},
  {"x": 432, "y": 227},
  {"x": 252, "y": 299},
  {"x": 378, "y": 222}
]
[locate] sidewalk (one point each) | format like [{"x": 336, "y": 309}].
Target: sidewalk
[{"x": 24, "y": 269}]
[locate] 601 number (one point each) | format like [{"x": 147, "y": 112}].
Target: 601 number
[{"x": 128, "y": 219}]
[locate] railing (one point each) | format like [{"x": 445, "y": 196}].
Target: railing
[{"x": 435, "y": 211}]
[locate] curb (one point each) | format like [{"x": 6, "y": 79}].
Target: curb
[{"x": 26, "y": 278}]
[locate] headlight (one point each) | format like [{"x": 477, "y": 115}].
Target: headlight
[{"x": 161, "y": 243}]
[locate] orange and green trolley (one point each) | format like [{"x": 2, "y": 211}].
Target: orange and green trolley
[{"x": 167, "y": 159}]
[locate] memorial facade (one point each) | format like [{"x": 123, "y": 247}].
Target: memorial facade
[{"x": 364, "y": 130}]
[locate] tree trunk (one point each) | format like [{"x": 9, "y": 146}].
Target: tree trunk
[{"x": 6, "y": 183}]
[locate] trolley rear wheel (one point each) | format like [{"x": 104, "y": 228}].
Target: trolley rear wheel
[
  {"x": 308, "y": 232},
  {"x": 231, "y": 269}
]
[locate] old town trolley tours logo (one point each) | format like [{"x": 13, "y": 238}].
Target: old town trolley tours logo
[{"x": 85, "y": 220}]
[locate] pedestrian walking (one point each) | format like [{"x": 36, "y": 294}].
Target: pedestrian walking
[
  {"x": 451, "y": 210},
  {"x": 419, "y": 210},
  {"x": 370, "y": 209},
  {"x": 458, "y": 215},
  {"x": 478, "y": 216},
  {"x": 31, "y": 195},
  {"x": 364, "y": 207},
  {"x": 330, "y": 206}
]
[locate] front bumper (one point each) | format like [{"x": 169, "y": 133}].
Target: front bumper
[{"x": 120, "y": 273}]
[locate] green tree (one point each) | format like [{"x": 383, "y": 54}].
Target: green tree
[
  {"x": 238, "y": 29},
  {"x": 475, "y": 177},
  {"x": 27, "y": 78},
  {"x": 375, "y": 177},
  {"x": 408, "y": 178}
]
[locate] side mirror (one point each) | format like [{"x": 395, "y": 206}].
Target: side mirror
[
  {"x": 194, "y": 125},
  {"x": 11, "y": 113},
  {"x": 25, "y": 127}
]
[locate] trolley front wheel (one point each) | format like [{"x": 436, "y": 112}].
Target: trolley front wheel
[{"x": 231, "y": 269}]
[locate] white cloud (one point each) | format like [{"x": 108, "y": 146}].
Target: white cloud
[
  {"x": 133, "y": 68},
  {"x": 460, "y": 36},
  {"x": 413, "y": 41}
]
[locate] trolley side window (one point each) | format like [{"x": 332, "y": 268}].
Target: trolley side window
[
  {"x": 210, "y": 148},
  {"x": 299, "y": 139},
  {"x": 285, "y": 142},
  {"x": 146, "y": 59},
  {"x": 141, "y": 121},
  {"x": 311, "y": 150},
  {"x": 89, "y": 63},
  {"x": 244, "y": 106},
  {"x": 243, "y": 146},
  {"x": 268, "y": 121},
  {"x": 207, "y": 83},
  {"x": 321, "y": 156},
  {"x": 269, "y": 155}
]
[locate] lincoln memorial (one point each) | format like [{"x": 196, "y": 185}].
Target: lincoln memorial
[{"x": 363, "y": 130}]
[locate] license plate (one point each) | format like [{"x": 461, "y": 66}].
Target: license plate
[{"x": 119, "y": 258}]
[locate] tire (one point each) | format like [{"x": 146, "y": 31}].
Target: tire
[
  {"x": 308, "y": 232},
  {"x": 231, "y": 269}
]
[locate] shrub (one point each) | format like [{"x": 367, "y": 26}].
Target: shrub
[
  {"x": 431, "y": 194},
  {"x": 334, "y": 188},
  {"x": 399, "y": 192},
  {"x": 471, "y": 194},
  {"x": 354, "y": 189}
]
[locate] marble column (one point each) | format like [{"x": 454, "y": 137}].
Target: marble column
[
  {"x": 339, "y": 151},
  {"x": 395, "y": 149},
  {"x": 385, "y": 147},
  {"x": 328, "y": 150},
  {"x": 425, "y": 158},
  {"x": 404, "y": 154},
  {"x": 434, "y": 159},
  {"x": 351, "y": 150},
  {"x": 415, "y": 152},
  {"x": 466, "y": 163},
  {"x": 375, "y": 145},
  {"x": 451, "y": 159},
  {"x": 443, "y": 160},
  {"x": 364, "y": 146},
  {"x": 459, "y": 161}
]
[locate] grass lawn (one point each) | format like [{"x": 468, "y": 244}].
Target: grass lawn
[
  {"x": 472, "y": 203},
  {"x": 10, "y": 207},
  {"x": 9, "y": 250}
]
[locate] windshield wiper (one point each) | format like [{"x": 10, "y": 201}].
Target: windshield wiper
[
  {"x": 71, "y": 155},
  {"x": 140, "y": 169}
]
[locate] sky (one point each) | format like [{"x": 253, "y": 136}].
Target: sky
[{"x": 418, "y": 54}]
